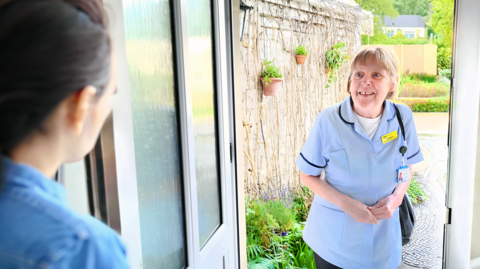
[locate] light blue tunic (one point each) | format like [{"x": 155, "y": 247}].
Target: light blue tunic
[{"x": 363, "y": 169}]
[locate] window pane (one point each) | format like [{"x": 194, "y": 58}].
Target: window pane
[
  {"x": 204, "y": 116},
  {"x": 156, "y": 138}
]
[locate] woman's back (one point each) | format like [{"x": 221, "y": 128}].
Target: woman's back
[{"x": 56, "y": 80}]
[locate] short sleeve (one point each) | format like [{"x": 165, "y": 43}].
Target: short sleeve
[
  {"x": 105, "y": 251},
  {"x": 310, "y": 160},
  {"x": 414, "y": 153}
]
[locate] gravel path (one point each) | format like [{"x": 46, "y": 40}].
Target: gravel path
[{"x": 425, "y": 250}]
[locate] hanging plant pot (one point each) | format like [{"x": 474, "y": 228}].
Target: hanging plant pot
[
  {"x": 328, "y": 70},
  {"x": 273, "y": 86},
  {"x": 301, "y": 59}
]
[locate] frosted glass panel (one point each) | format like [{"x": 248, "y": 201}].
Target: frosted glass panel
[
  {"x": 204, "y": 116},
  {"x": 156, "y": 137}
]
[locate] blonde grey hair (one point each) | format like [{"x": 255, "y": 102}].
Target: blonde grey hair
[{"x": 386, "y": 59}]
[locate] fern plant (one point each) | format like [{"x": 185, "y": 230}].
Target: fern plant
[
  {"x": 335, "y": 58},
  {"x": 301, "y": 50},
  {"x": 260, "y": 222},
  {"x": 270, "y": 71},
  {"x": 282, "y": 215}
]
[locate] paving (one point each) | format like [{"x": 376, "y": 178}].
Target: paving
[{"x": 425, "y": 249}]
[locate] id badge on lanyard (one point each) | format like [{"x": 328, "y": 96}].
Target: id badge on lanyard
[{"x": 403, "y": 173}]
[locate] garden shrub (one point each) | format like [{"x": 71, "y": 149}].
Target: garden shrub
[
  {"x": 444, "y": 58},
  {"x": 398, "y": 36},
  {"x": 260, "y": 223},
  {"x": 423, "y": 90},
  {"x": 269, "y": 213},
  {"x": 282, "y": 215},
  {"x": 422, "y": 85},
  {"x": 439, "y": 104},
  {"x": 267, "y": 217}
]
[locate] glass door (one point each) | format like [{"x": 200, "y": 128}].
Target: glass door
[{"x": 172, "y": 139}]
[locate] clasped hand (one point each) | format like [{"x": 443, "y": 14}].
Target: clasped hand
[{"x": 371, "y": 214}]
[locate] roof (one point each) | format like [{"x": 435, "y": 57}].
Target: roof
[{"x": 405, "y": 21}]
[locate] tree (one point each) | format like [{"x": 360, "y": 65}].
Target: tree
[
  {"x": 412, "y": 7},
  {"x": 379, "y": 7},
  {"x": 442, "y": 20}
]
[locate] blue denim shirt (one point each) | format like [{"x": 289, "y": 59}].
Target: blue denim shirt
[{"x": 39, "y": 230}]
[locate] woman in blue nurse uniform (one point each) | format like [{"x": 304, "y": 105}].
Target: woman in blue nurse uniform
[{"x": 354, "y": 220}]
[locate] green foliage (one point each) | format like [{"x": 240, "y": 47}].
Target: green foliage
[
  {"x": 421, "y": 77},
  {"x": 442, "y": 20},
  {"x": 446, "y": 73},
  {"x": 444, "y": 58},
  {"x": 301, "y": 50},
  {"x": 270, "y": 71},
  {"x": 415, "y": 192},
  {"x": 379, "y": 7},
  {"x": 282, "y": 215},
  {"x": 302, "y": 203},
  {"x": 378, "y": 35},
  {"x": 262, "y": 263},
  {"x": 412, "y": 7},
  {"x": 260, "y": 223},
  {"x": 284, "y": 250},
  {"x": 400, "y": 41},
  {"x": 398, "y": 36},
  {"x": 254, "y": 248},
  {"x": 437, "y": 104},
  {"x": 334, "y": 59},
  {"x": 379, "y": 38},
  {"x": 423, "y": 90},
  {"x": 430, "y": 31}
]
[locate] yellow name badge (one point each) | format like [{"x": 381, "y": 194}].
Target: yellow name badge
[{"x": 389, "y": 137}]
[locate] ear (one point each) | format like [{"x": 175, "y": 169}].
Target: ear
[
  {"x": 79, "y": 105},
  {"x": 395, "y": 80}
]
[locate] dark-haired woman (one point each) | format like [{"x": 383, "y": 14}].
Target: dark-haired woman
[{"x": 56, "y": 80}]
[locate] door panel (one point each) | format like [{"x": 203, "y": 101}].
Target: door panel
[
  {"x": 155, "y": 131},
  {"x": 172, "y": 134},
  {"x": 201, "y": 69}
]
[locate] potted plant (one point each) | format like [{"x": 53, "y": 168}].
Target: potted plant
[
  {"x": 302, "y": 54},
  {"x": 334, "y": 60},
  {"x": 271, "y": 78}
]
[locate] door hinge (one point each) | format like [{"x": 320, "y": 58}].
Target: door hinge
[
  {"x": 231, "y": 154},
  {"x": 448, "y": 216}
]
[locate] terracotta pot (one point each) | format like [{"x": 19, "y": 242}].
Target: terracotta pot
[
  {"x": 273, "y": 86},
  {"x": 301, "y": 59},
  {"x": 328, "y": 70}
]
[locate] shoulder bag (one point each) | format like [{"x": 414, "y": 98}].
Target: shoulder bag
[{"x": 405, "y": 210}]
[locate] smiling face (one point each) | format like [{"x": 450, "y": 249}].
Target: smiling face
[{"x": 370, "y": 84}]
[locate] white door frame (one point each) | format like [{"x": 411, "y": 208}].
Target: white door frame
[
  {"x": 221, "y": 249},
  {"x": 464, "y": 117}
]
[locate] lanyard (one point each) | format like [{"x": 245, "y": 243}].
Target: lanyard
[{"x": 403, "y": 149}]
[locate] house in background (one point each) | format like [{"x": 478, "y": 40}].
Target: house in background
[{"x": 411, "y": 26}]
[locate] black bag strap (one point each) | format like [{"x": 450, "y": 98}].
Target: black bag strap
[{"x": 400, "y": 121}]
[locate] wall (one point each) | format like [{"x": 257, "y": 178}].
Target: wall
[
  {"x": 275, "y": 128},
  {"x": 414, "y": 58},
  {"x": 418, "y": 34}
]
